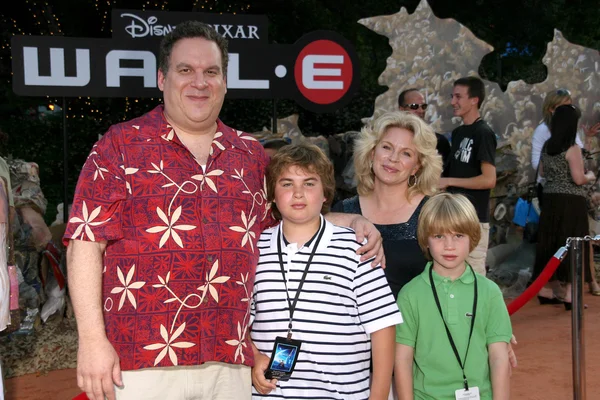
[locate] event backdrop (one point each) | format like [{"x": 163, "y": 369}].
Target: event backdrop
[{"x": 429, "y": 53}]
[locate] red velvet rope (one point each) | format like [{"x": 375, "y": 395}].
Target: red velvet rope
[{"x": 537, "y": 285}]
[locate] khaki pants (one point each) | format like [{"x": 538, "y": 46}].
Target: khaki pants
[
  {"x": 209, "y": 381},
  {"x": 477, "y": 257}
]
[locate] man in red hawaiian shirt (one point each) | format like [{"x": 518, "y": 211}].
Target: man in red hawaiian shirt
[{"x": 162, "y": 239}]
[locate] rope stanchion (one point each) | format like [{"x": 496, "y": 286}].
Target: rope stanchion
[{"x": 539, "y": 283}]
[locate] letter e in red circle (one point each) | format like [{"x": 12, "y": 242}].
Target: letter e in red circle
[{"x": 323, "y": 72}]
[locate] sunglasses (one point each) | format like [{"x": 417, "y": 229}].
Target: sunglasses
[
  {"x": 415, "y": 106},
  {"x": 563, "y": 92}
]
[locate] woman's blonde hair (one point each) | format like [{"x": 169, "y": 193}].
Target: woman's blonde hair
[
  {"x": 552, "y": 100},
  {"x": 448, "y": 213},
  {"x": 425, "y": 143}
]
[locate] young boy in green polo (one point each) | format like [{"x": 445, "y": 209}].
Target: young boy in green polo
[{"x": 453, "y": 342}]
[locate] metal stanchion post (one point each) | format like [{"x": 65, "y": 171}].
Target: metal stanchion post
[{"x": 578, "y": 338}]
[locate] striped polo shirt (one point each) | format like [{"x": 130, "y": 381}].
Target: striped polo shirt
[{"x": 341, "y": 303}]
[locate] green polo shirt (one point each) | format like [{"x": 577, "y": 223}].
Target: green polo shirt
[{"x": 436, "y": 372}]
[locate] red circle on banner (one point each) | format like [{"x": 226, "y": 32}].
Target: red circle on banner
[{"x": 323, "y": 72}]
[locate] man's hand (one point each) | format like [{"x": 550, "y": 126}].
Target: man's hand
[
  {"x": 262, "y": 384},
  {"x": 374, "y": 246},
  {"x": 98, "y": 369},
  {"x": 443, "y": 183}
]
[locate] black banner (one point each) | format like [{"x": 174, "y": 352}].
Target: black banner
[{"x": 319, "y": 71}]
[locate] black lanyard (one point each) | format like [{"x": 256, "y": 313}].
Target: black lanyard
[
  {"x": 437, "y": 302},
  {"x": 292, "y": 306}
]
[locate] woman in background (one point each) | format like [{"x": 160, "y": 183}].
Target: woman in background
[
  {"x": 541, "y": 134},
  {"x": 564, "y": 209},
  {"x": 554, "y": 99}
]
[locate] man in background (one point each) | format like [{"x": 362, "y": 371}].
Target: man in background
[{"x": 412, "y": 101}]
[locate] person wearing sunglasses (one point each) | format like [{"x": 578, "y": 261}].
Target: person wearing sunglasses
[{"x": 412, "y": 101}]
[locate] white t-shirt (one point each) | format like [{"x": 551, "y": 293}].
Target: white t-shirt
[
  {"x": 343, "y": 301},
  {"x": 540, "y": 135}
]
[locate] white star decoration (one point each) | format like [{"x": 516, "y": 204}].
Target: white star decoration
[
  {"x": 86, "y": 222},
  {"x": 170, "y": 228},
  {"x": 211, "y": 280},
  {"x": 167, "y": 346},
  {"x": 127, "y": 287}
]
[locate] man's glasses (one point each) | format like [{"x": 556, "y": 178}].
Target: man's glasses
[{"x": 415, "y": 106}]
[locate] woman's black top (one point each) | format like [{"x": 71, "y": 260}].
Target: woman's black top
[{"x": 403, "y": 256}]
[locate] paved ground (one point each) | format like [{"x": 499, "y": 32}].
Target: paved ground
[{"x": 544, "y": 352}]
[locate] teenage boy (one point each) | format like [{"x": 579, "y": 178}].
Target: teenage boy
[
  {"x": 317, "y": 311},
  {"x": 471, "y": 167},
  {"x": 453, "y": 342}
]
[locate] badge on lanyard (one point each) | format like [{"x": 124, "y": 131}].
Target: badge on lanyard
[
  {"x": 467, "y": 392},
  {"x": 283, "y": 358},
  {"x": 285, "y": 349},
  {"x": 471, "y": 394}
]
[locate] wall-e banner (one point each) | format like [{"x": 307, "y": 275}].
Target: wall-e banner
[{"x": 319, "y": 71}]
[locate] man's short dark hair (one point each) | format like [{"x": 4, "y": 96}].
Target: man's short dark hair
[
  {"x": 191, "y": 30},
  {"x": 403, "y": 94},
  {"x": 475, "y": 87}
]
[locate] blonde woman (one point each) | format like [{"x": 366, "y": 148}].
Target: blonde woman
[
  {"x": 541, "y": 134},
  {"x": 397, "y": 167}
]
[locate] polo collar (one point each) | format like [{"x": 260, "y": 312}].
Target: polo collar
[
  {"x": 467, "y": 277},
  {"x": 323, "y": 243}
]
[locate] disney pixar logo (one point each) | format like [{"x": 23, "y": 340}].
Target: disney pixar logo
[{"x": 140, "y": 27}]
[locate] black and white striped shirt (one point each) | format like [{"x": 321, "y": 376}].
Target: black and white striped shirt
[{"x": 341, "y": 303}]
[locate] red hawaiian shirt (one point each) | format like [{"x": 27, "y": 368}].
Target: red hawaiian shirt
[{"x": 181, "y": 243}]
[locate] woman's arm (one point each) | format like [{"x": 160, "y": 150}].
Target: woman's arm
[{"x": 575, "y": 160}]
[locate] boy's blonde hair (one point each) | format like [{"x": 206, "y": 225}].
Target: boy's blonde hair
[
  {"x": 307, "y": 157},
  {"x": 446, "y": 213}
]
